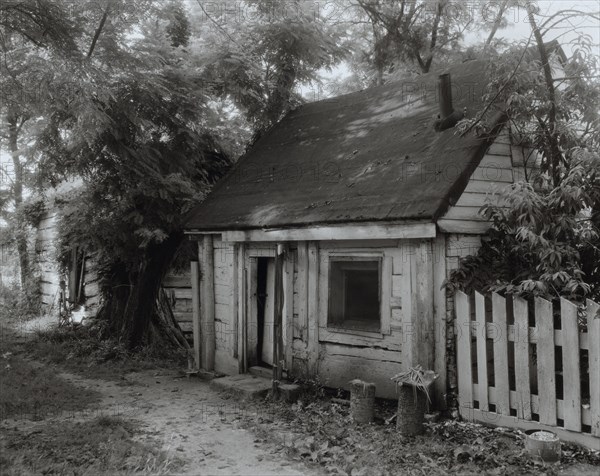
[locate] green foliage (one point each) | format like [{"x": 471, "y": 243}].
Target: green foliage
[
  {"x": 518, "y": 81},
  {"x": 545, "y": 243},
  {"x": 392, "y": 40},
  {"x": 259, "y": 63},
  {"x": 20, "y": 303},
  {"x": 178, "y": 28},
  {"x": 82, "y": 347}
]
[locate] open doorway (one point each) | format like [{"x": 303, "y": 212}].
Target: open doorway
[{"x": 265, "y": 311}]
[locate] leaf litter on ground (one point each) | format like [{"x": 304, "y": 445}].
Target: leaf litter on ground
[{"x": 321, "y": 433}]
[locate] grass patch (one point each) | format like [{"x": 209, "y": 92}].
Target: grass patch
[
  {"x": 102, "y": 446},
  {"x": 30, "y": 390},
  {"x": 85, "y": 350}
]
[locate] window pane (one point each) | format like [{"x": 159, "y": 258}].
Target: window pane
[{"x": 354, "y": 294}]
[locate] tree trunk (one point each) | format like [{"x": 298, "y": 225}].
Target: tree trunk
[
  {"x": 553, "y": 152},
  {"x": 17, "y": 192},
  {"x": 133, "y": 306}
]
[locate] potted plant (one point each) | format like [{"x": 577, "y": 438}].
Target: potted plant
[{"x": 413, "y": 399}]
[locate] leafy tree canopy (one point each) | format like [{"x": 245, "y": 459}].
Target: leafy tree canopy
[{"x": 546, "y": 239}]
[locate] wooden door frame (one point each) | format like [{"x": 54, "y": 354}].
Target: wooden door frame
[{"x": 247, "y": 312}]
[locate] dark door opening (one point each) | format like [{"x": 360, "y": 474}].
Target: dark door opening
[{"x": 265, "y": 311}]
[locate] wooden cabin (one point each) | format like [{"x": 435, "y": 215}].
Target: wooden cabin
[
  {"x": 366, "y": 208},
  {"x": 78, "y": 276},
  {"x": 323, "y": 252}
]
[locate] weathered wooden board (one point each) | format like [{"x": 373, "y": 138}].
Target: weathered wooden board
[
  {"x": 472, "y": 199},
  {"x": 546, "y": 369},
  {"x": 313, "y": 306},
  {"x": 397, "y": 283},
  {"x": 196, "y": 324},
  {"x": 464, "y": 213},
  {"x": 482, "y": 374},
  {"x": 462, "y": 245},
  {"x": 463, "y": 226},
  {"x": 593, "y": 322},
  {"x": 207, "y": 300},
  {"x": 500, "y": 344},
  {"x": 422, "y": 305},
  {"x": 463, "y": 354},
  {"x": 571, "y": 371},
  {"x": 288, "y": 306},
  {"x": 340, "y": 364},
  {"x": 386, "y": 294},
  {"x": 521, "y": 346},
  {"x": 337, "y": 232},
  {"x": 499, "y": 147},
  {"x": 439, "y": 320},
  {"x": 302, "y": 290},
  {"x": 172, "y": 281}
]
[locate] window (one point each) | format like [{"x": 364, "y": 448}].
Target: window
[{"x": 354, "y": 293}]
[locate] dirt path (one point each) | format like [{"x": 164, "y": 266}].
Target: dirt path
[{"x": 194, "y": 422}]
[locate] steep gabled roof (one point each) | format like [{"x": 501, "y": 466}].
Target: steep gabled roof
[{"x": 372, "y": 155}]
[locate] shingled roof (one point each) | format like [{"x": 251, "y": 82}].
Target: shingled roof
[{"x": 372, "y": 155}]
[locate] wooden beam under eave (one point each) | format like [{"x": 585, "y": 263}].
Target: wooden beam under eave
[
  {"x": 466, "y": 227},
  {"x": 357, "y": 231}
]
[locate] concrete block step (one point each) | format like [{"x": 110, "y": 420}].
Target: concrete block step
[{"x": 244, "y": 386}]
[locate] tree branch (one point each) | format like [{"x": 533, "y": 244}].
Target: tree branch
[
  {"x": 99, "y": 29},
  {"x": 502, "y": 88},
  {"x": 497, "y": 22},
  {"x": 216, "y": 24},
  {"x": 553, "y": 139},
  {"x": 434, "y": 34}
]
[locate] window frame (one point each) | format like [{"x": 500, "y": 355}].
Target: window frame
[
  {"x": 342, "y": 324},
  {"x": 336, "y": 333}
]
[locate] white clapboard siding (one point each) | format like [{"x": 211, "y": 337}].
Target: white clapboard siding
[{"x": 493, "y": 174}]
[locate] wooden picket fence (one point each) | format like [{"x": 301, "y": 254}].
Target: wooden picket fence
[{"x": 529, "y": 370}]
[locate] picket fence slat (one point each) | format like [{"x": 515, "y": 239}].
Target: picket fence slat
[
  {"x": 593, "y": 323},
  {"x": 522, "y": 381},
  {"x": 482, "y": 375},
  {"x": 531, "y": 360},
  {"x": 501, "y": 354},
  {"x": 463, "y": 348},
  {"x": 545, "y": 361},
  {"x": 570, "y": 359}
]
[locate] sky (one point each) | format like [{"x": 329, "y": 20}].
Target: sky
[{"x": 519, "y": 28}]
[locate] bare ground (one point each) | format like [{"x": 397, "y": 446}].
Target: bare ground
[
  {"x": 100, "y": 418},
  {"x": 65, "y": 414},
  {"x": 196, "y": 430},
  {"x": 192, "y": 421}
]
